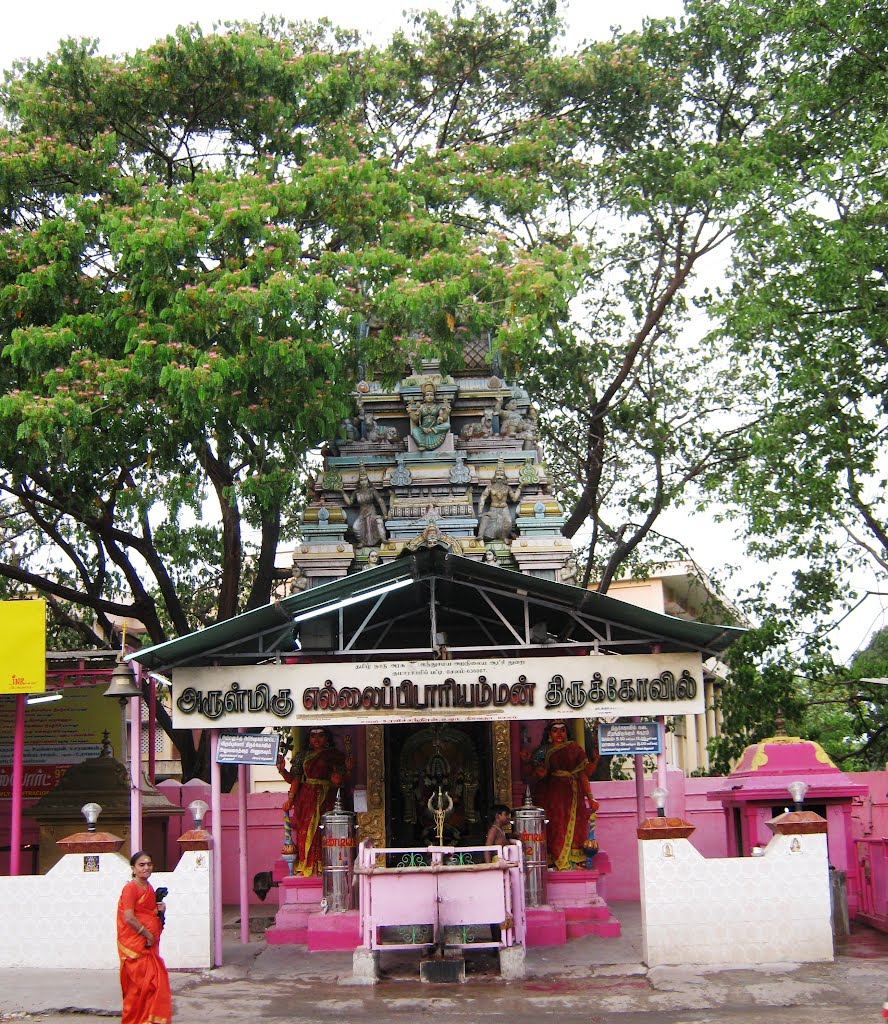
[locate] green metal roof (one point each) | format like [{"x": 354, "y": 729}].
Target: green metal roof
[
  {"x": 480, "y": 607},
  {"x": 270, "y": 620}
]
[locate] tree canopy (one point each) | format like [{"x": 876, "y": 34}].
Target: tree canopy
[
  {"x": 205, "y": 243},
  {"x": 202, "y": 243}
]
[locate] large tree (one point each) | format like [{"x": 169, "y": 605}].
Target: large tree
[
  {"x": 643, "y": 403},
  {"x": 807, "y": 307},
  {"x": 805, "y": 316},
  {"x": 202, "y": 242}
]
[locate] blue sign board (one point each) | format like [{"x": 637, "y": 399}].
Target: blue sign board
[{"x": 629, "y": 738}]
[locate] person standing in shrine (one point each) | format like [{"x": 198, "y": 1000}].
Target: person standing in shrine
[
  {"x": 562, "y": 788},
  {"x": 312, "y": 793}
]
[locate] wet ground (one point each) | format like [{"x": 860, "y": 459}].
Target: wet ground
[{"x": 588, "y": 981}]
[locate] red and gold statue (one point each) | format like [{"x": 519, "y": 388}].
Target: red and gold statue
[
  {"x": 313, "y": 786},
  {"x": 562, "y": 788}
]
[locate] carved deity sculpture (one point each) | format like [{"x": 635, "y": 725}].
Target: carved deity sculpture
[
  {"x": 569, "y": 572},
  {"x": 496, "y": 522},
  {"x": 432, "y": 537},
  {"x": 369, "y": 527},
  {"x": 298, "y": 580},
  {"x": 480, "y": 430},
  {"x": 429, "y": 419},
  {"x": 372, "y": 431},
  {"x": 513, "y": 424}
]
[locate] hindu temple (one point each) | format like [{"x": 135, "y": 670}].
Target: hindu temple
[{"x": 429, "y": 659}]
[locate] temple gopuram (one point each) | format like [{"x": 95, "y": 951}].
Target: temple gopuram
[
  {"x": 429, "y": 660},
  {"x": 439, "y": 460}
]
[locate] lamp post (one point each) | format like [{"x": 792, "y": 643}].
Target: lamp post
[
  {"x": 198, "y": 809},
  {"x": 91, "y": 812},
  {"x": 659, "y": 795},
  {"x": 797, "y": 791}
]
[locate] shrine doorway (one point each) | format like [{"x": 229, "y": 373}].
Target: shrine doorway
[{"x": 454, "y": 757}]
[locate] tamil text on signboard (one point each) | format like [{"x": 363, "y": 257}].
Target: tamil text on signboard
[
  {"x": 629, "y": 738},
  {"x": 433, "y": 691},
  {"x": 248, "y": 748}
]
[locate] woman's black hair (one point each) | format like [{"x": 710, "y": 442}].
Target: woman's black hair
[{"x": 137, "y": 855}]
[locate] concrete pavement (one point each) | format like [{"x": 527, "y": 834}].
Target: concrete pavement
[{"x": 589, "y": 981}]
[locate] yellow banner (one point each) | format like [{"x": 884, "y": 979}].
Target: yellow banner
[{"x": 22, "y": 646}]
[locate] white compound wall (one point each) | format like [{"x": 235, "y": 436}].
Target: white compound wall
[
  {"x": 739, "y": 910},
  {"x": 68, "y": 917}
]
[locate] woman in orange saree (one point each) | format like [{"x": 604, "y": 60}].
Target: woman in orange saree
[{"x": 143, "y": 975}]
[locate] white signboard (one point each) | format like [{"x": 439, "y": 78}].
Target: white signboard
[
  {"x": 479, "y": 690},
  {"x": 248, "y": 748}
]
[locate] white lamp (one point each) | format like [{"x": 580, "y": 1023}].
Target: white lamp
[
  {"x": 198, "y": 809},
  {"x": 44, "y": 698},
  {"x": 659, "y": 795},
  {"x": 91, "y": 812},
  {"x": 797, "y": 791}
]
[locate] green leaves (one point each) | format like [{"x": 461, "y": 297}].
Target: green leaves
[{"x": 194, "y": 238}]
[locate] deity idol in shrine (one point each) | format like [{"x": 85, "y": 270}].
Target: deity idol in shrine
[
  {"x": 561, "y": 772},
  {"x": 313, "y": 786}
]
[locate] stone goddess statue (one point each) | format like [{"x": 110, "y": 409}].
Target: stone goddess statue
[
  {"x": 429, "y": 419},
  {"x": 496, "y": 522},
  {"x": 369, "y": 527}
]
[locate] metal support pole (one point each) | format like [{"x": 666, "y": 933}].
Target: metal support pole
[
  {"x": 152, "y": 727},
  {"x": 122, "y": 753},
  {"x": 243, "y": 784},
  {"x": 661, "y": 757},
  {"x": 18, "y": 778},
  {"x": 216, "y": 829},
  {"x": 638, "y": 762},
  {"x": 135, "y": 774}
]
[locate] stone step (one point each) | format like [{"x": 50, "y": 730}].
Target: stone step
[
  {"x": 609, "y": 929},
  {"x": 334, "y": 931}
]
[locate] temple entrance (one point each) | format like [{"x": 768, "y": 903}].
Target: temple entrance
[{"x": 451, "y": 757}]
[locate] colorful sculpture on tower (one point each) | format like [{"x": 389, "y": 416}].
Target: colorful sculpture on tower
[
  {"x": 429, "y": 419},
  {"x": 369, "y": 527},
  {"x": 496, "y": 522}
]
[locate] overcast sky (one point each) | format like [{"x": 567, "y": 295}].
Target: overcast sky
[{"x": 32, "y": 32}]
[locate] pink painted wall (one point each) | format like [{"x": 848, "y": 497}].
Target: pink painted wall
[
  {"x": 869, "y": 816},
  {"x": 617, "y": 821}
]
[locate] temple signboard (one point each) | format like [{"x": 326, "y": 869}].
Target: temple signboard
[{"x": 478, "y": 689}]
